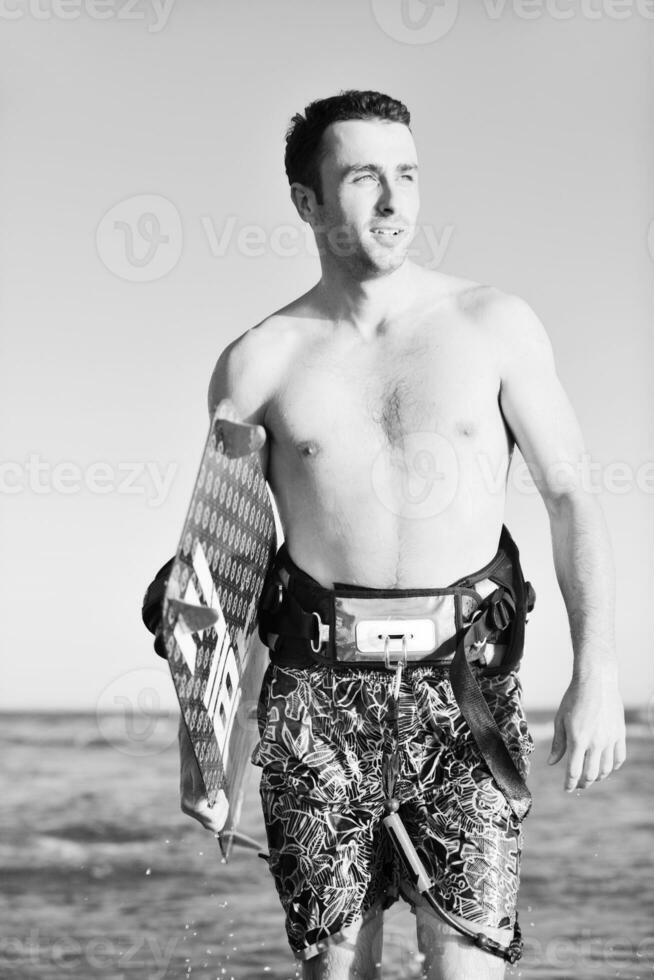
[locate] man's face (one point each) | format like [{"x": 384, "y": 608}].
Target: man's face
[{"x": 369, "y": 174}]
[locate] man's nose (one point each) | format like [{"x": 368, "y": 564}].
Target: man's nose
[{"x": 387, "y": 200}]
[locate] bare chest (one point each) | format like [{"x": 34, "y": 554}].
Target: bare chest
[{"x": 336, "y": 396}]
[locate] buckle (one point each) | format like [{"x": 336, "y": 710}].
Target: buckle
[
  {"x": 502, "y": 611},
  {"x": 390, "y": 664},
  {"x": 272, "y": 597},
  {"x": 323, "y": 633}
]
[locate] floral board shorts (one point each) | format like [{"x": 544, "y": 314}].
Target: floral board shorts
[{"x": 325, "y": 739}]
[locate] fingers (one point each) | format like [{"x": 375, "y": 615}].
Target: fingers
[
  {"x": 212, "y": 818},
  {"x": 606, "y": 763},
  {"x": 591, "y": 768},
  {"x": 593, "y": 765},
  {"x": 575, "y": 767},
  {"x": 558, "y": 743},
  {"x": 619, "y": 753},
  {"x": 226, "y": 409}
]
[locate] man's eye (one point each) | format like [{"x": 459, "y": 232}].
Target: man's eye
[
  {"x": 364, "y": 177},
  {"x": 407, "y": 177}
]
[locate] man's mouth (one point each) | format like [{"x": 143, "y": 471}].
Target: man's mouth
[{"x": 387, "y": 231}]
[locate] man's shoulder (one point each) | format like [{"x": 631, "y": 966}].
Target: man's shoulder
[
  {"x": 251, "y": 366},
  {"x": 267, "y": 338},
  {"x": 501, "y": 313},
  {"x": 473, "y": 300},
  {"x": 276, "y": 331},
  {"x": 508, "y": 322}
]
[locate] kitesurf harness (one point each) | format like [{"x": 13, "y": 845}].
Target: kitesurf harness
[{"x": 480, "y": 615}]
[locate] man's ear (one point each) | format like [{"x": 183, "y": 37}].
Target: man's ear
[{"x": 304, "y": 199}]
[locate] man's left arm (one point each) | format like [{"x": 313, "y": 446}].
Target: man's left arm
[{"x": 590, "y": 721}]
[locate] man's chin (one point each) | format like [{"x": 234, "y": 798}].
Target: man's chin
[{"x": 387, "y": 261}]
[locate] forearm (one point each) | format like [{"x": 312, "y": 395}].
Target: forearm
[{"x": 583, "y": 560}]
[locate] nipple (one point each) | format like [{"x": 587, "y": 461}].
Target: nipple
[{"x": 308, "y": 448}]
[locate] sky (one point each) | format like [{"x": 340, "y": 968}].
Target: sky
[{"x": 146, "y": 222}]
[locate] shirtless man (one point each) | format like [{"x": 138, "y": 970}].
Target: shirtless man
[{"x": 392, "y": 397}]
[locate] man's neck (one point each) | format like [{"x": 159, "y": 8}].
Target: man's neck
[{"x": 366, "y": 304}]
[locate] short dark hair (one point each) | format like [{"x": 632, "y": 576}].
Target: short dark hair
[{"x": 304, "y": 135}]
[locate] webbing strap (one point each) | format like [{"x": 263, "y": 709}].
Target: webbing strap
[
  {"x": 484, "y": 728},
  {"x": 287, "y": 618}
]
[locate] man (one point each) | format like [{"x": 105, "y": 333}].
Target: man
[{"x": 392, "y": 398}]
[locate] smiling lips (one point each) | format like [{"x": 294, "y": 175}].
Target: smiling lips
[{"x": 387, "y": 231}]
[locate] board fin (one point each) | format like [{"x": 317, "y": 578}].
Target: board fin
[
  {"x": 192, "y": 618},
  {"x": 228, "y": 838}
]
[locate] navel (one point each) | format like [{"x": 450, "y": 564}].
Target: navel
[{"x": 464, "y": 428}]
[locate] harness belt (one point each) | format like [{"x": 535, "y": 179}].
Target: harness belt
[{"x": 480, "y": 618}]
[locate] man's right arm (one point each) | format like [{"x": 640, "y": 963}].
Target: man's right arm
[
  {"x": 243, "y": 374},
  {"x": 240, "y": 377}
]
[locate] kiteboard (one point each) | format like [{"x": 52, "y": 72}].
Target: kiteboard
[{"x": 210, "y": 606}]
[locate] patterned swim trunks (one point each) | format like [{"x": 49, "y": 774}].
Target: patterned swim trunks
[{"x": 325, "y": 736}]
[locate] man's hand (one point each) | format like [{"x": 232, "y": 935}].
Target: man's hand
[
  {"x": 193, "y": 800},
  {"x": 590, "y": 725}
]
